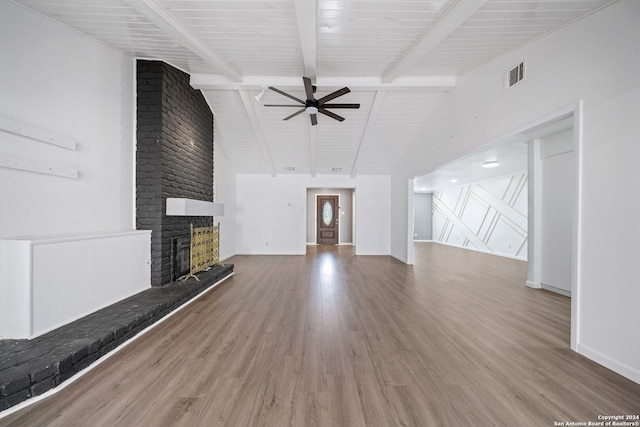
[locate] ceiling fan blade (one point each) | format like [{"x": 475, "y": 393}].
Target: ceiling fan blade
[
  {"x": 330, "y": 114},
  {"x": 308, "y": 88},
  {"x": 314, "y": 119},
  {"x": 286, "y": 94},
  {"x": 294, "y": 114},
  {"x": 281, "y": 105},
  {"x": 341, "y": 105},
  {"x": 333, "y": 95}
]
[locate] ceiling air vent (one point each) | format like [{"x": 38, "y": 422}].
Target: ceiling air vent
[{"x": 514, "y": 76}]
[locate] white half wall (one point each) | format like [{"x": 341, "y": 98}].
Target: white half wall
[
  {"x": 271, "y": 212},
  {"x": 47, "y": 282},
  {"x": 586, "y": 61},
  {"x": 59, "y": 81},
  {"x": 489, "y": 216}
]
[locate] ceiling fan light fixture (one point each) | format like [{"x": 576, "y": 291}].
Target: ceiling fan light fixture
[
  {"x": 259, "y": 96},
  {"x": 313, "y": 106}
]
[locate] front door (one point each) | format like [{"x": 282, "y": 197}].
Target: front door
[{"x": 327, "y": 222}]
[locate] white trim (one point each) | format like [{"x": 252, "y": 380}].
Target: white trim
[
  {"x": 577, "y": 226},
  {"x": 99, "y": 361},
  {"x": 606, "y": 361},
  {"x": 555, "y": 290},
  {"x": 38, "y": 167},
  {"x": 481, "y": 251},
  {"x": 403, "y": 260},
  {"x": 533, "y": 285},
  {"x": 410, "y": 221},
  {"x": 32, "y": 132},
  {"x": 72, "y": 237},
  {"x": 367, "y": 83}
]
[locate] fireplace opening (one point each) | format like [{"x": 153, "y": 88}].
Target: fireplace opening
[{"x": 180, "y": 257}]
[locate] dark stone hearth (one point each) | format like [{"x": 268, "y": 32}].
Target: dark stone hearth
[{"x": 31, "y": 367}]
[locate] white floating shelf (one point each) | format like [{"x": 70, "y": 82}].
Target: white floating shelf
[
  {"x": 30, "y": 166},
  {"x": 191, "y": 207},
  {"x": 28, "y": 131}
]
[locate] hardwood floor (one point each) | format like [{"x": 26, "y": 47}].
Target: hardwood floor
[{"x": 331, "y": 339}]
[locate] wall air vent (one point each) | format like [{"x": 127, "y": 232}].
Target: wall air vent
[{"x": 514, "y": 76}]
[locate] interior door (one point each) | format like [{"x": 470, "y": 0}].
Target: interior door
[{"x": 327, "y": 220}]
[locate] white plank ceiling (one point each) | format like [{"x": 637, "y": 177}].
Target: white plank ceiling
[{"x": 398, "y": 57}]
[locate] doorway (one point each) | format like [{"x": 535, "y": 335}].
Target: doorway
[
  {"x": 327, "y": 219},
  {"x": 345, "y": 214}
]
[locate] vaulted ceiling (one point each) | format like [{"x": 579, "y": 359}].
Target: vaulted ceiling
[{"x": 398, "y": 57}]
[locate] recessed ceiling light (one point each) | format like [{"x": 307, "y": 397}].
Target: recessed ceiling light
[
  {"x": 490, "y": 164},
  {"x": 454, "y": 180}
]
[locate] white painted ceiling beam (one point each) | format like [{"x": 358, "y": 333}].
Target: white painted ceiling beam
[
  {"x": 307, "y": 16},
  {"x": 257, "y": 129},
  {"x": 371, "y": 122},
  {"x": 428, "y": 83},
  {"x": 452, "y": 19},
  {"x": 159, "y": 15}
]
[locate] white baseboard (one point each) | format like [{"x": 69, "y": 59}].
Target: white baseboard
[
  {"x": 339, "y": 244},
  {"x": 556, "y": 290},
  {"x": 534, "y": 285},
  {"x": 519, "y": 258},
  {"x": 403, "y": 260},
  {"x": 608, "y": 362}
]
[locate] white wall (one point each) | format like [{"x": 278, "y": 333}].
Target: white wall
[
  {"x": 225, "y": 192},
  {"x": 589, "y": 60},
  {"x": 489, "y": 216},
  {"x": 54, "y": 79},
  {"x": 271, "y": 212}
]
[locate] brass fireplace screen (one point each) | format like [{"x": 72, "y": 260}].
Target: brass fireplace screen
[{"x": 205, "y": 249}]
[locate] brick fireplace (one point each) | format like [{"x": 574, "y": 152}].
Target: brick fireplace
[{"x": 174, "y": 158}]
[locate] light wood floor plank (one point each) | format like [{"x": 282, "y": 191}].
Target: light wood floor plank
[{"x": 334, "y": 339}]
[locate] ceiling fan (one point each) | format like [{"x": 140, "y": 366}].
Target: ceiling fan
[{"x": 312, "y": 105}]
